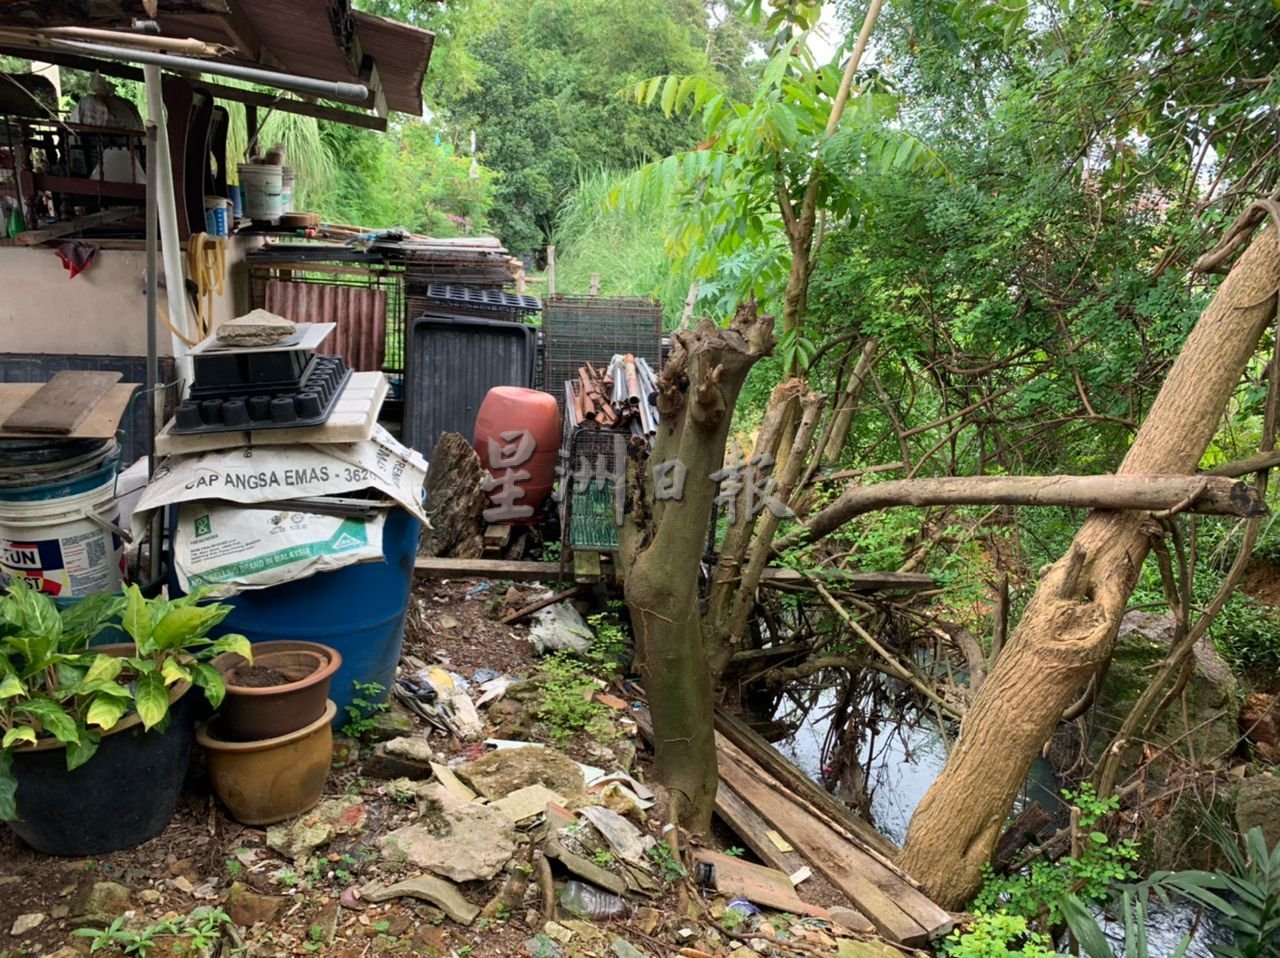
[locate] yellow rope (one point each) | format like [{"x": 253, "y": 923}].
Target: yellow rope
[{"x": 207, "y": 266}]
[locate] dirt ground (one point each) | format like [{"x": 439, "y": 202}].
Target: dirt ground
[{"x": 193, "y": 865}]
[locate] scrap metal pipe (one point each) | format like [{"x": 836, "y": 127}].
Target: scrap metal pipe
[{"x": 348, "y": 92}]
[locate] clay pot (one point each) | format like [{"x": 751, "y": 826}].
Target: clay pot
[
  {"x": 271, "y": 779},
  {"x": 250, "y": 713}
]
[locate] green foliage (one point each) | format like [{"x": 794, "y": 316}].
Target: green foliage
[
  {"x": 539, "y": 85},
  {"x": 203, "y": 931},
  {"x": 366, "y": 702},
  {"x": 669, "y": 867},
  {"x": 997, "y": 935},
  {"x": 566, "y": 704},
  {"x": 54, "y": 686},
  {"x": 1039, "y": 891},
  {"x": 1245, "y": 899},
  {"x": 1247, "y": 633}
]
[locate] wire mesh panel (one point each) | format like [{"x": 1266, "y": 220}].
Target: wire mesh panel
[
  {"x": 593, "y": 479},
  {"x": 590, "y": 329}
]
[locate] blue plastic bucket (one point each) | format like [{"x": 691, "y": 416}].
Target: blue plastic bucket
[{"x": 358, "y": 610}]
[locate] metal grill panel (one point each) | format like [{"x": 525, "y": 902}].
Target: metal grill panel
[{"x": 582, "y": 329}]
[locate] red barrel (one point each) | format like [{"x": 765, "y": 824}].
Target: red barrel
[{"x": 517, "y": 438}]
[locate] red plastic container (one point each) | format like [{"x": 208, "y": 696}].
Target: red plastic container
[{"x": 517, "y": 438}]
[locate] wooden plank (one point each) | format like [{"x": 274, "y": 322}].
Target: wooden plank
[
  {"x": 751, "y": 828},
  {"x": 873, "y": 889},
  {"x": 586, "y": 566},
  {"x": 852, "y": 581},
  {"x": 63, "y": 403},
  {"x": 515, "y": 616},
  {"x": 103, "y": 422},
  {"x": 436, "y": 567},
  {"x": 758, "y": 884},
  {"x": 32, "y": 237},
  {"x": 769, "y": 758}
]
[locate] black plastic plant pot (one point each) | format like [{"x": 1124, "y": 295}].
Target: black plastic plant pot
[{"x": 123, "y": 796}]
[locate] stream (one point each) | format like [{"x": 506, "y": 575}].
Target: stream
[{"x": 908, "y": 761}]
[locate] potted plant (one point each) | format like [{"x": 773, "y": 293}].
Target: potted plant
[
  {"x": 96, "y": 739},
  {"x": 283, "y": 689}
]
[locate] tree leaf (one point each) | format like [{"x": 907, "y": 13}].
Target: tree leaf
[
  {"x": 8, "y": 788},
  {"x": 234, "y": 643},
  {"x": 137, "y": 619},
  {"x": 172, "y": 671},
  {"x": 83, "y": 749},
  {"x": 151, "y": 699},
  {"x": 104, "y": 668},
  {"x": 22, "y": 733},
  {"x": 52, "y": 717},
  {"x": 10, "y": 686},
  {"x": 182, "y": 625},
  {"x": 209, "y": 679},
  {"x": 105, "y": 712}
]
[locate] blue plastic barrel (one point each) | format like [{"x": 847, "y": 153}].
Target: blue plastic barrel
[{"x": 358, "y": 610}]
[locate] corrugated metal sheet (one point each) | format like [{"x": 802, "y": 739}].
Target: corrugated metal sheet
[
  {"x": 360, "y": 312},
  {"x": 453, "y": 362}
]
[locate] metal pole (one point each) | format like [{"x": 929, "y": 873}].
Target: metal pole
[
  {"x": 153, "y": 360},
  {"x": 349, "y": 92}
]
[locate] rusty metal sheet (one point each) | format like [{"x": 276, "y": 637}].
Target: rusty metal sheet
[{"x": 359, "y": 312}]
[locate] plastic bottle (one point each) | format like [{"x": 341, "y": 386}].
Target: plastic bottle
[{"x": 588, "y": 901}]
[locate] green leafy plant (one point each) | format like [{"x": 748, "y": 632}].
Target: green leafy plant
[
  {"x": 366, "y": 702},
  {"x": 669, "y": 867},
  {"x": 996, "y": 936},
  {"x": 603, "y": 857},
  {"x": 203, "y": 929},
  {"x": 54, "y": 686},
  {"x": 1039, "y": 891},
  {"x": 1245, "y": 899}
]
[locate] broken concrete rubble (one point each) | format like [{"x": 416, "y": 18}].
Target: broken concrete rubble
[
  {"x": 468, "y": 842},
  {"x": 297, "y": 839},
  {"x": 425, "y": 888},
  {"x": 504, "y": 771}
]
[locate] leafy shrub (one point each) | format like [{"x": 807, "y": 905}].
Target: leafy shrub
[{"x": 1247, "y": 633}]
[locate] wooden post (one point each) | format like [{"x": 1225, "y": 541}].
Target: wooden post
[
  {"x": 595, "y": 285},
  {"x": 551, "y": 270}
]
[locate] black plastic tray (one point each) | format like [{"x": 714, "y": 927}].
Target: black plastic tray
[
  {"x": 231, "y": 375},
  {"x": 307, "y": 404}
]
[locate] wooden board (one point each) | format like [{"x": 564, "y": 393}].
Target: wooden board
[
  {"x": 751, "y": 828},
  {"x": 852, "y": 581},
  {"x": 436, "y": 567},
  {"x": 354, "y": 417},
  {"x": 758, "y": 884},
  {"x": 63, "y": 403},
  {"x": 776, "y": 764},
  {"x": 898, "y": 910},
  {"x": 32, "y": 237},
  {"x": 102, "y": 422}
]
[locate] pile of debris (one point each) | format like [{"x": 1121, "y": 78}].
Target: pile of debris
[{"x": 624, "y": 396}]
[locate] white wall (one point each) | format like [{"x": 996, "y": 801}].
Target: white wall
[{"x": 102, "y": 311}]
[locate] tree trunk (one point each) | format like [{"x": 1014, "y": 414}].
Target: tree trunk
[
  {"x": 1069, "y": 627},
  {"x": 844, "y": 410},
  {"x": 662, "y": 542}
]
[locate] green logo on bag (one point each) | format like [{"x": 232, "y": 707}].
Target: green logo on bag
[{"x": 204, "y": 527}]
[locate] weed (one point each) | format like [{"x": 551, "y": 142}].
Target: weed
[
  {"x": 234, "y": 867},
  {"x": 287, "y": 877},
  {"x": 603, "y": 857},
  {"x": 502, "y": 912},
  {"x": 366, "y": 702},
  {"x": 735, "y": 851},
  {"x": 669, "y": 866},
  {"x": 732, "y": 919},
  {"x": 204, "y": 930}
]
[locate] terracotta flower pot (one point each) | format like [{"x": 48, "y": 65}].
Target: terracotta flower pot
[
  {"x": 271, "y": 779},
  {"x": 251, "y": 712}
]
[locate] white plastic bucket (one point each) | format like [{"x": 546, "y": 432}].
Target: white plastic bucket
[
  {"x": 65, "y": 547},
  {"x": 287, "y": 180},
  {"x": 215, "y": 215},
  {"x": 261, "y": 186}
]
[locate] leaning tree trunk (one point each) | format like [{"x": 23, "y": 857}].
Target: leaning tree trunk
[
  {"x": 1070, "y": 625},
  {"x": 663, "y": 540}
]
